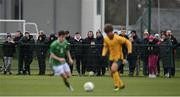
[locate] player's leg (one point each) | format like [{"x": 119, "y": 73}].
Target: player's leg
[
  {"x": 114, "y": 72},
  {"x": 67, "y": 74},
  {"x": 5, "y": 64},
  {"x": 9, "y": 65}
]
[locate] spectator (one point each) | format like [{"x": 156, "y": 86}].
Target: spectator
[
  {"x": 26, "y": 52},
  {"x": 41, "y": 50},
  {"x": 157, "y": 39},
  {"x": 153, "y": 53},
  {"x": 52, "y": 38},
  {"x": 17, "y": 38},
  {"x": 8, "y": 51},
  {"x": 100, "y": 66},
  {"x": 144, "y": 53},
  {"x": 132, "y": 58},
  {"x": 174, "y": 43},
  {"x": 166, "y": 55},
  {"x": 78, "y": 53},
  {"x": 70, "y": 40},
  {"x": 124, "y": 49},
  {"x": 89, "y": 51}
]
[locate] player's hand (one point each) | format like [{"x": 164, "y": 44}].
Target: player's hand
[
  {"x": 71, "y": 61},
  {"x": 62, "y": 60},
  {"x": 125, "y": 61}
]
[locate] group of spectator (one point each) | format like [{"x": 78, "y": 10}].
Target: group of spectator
[{"x": 87, "y": 52}]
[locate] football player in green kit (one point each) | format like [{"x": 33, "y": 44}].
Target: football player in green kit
[{"x": 59, "y": 49}]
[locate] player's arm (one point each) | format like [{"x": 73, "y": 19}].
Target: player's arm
[
  {"x": 69, "y": 57},
  {"x": 129, "y": 46},
  {"x": 125, "y": 41},
  {"x": 52, "y": 55},
  {"x": 105, "y": 48}
]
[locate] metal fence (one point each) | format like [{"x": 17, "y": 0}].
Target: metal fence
[{"x": 90, "y": 55}]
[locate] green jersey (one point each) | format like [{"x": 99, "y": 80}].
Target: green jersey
[{"x": 59, "y": 49}]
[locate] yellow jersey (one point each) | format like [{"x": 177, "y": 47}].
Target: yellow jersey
[{"x": 114, "y": 46}]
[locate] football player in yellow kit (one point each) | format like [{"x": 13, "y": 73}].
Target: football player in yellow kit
[{"x": 113, "y": 44}]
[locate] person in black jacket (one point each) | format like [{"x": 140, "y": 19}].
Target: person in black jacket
[
  {"x": 166, "y": 53},
  {"x": 124, "y": 49},
  {"x": 100, "y": 66},
  {"x": 70, "y": 40},
  {"x": 51, "y": 39},
  {"x": 89, "y": 51},
  {"x": 77, "y": 49},
  {"x": 144, "y": 53},
  {"x": 134, "y": 58},
  {"x": 41, "y": 51},
  {"x": 17, "y": 38},
  {"x": 8, "y": 51},
  {"x": 26, "y": 52},
  {"x": 174, "y": 43}
]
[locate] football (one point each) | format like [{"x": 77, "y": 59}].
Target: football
[{"x": 89, "y": 86}]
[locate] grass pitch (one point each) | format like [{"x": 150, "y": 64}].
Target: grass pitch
[{"x": 35, "y": 85}]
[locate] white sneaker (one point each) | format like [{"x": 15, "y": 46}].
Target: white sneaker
[
  {"x": 150, "y": 75},
  {"x": 71, "y": 89},
  {"x": 153, "y": 76},
  {"x": 167, "y": 75}
]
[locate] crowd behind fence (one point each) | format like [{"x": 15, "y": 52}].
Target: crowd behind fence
[{"x": 87, "y": 55}]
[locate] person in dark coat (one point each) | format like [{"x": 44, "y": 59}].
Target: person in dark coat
[
  {"x": 8, "y": 52},
  {"x": 174, "y": 43},
  {"x": 89, "y": 52},
  {"x": 17, "y": 38},
  {"x": 144, "y": 53},
  {"x": 100, "y": 66},
  {"x": 41, "y": 52},
  {"x": 51, "y": 39},
  {"x": 133, "y": 57},
  {"x": 77, "y": 49},
  {"x": 124, "y": 49},
  {"x": 70, "y": 40},
  {"x": 166, "y": 55},
  {"x": 26, "y": 52}
]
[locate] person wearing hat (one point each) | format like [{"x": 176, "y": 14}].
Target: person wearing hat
[{"x": 8, "y": 52}]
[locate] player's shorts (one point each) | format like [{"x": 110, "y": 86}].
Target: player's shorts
[
  {"x": 61, "y": 69},
  {"x": 119, "y": 62}
]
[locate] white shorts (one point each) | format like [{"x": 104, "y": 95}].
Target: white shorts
[{"x": 61, "y": 69}]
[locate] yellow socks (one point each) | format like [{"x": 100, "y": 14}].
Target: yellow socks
[{"x": 117, "y": 81}]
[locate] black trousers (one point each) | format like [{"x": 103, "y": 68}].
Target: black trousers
[
  {"x": 100, "y": 66},
  {"x": 132, "y": 65},
  {"x": 145, "y": 65},
  {"x": 79, "y": 66},
  {"x": 42, "y": 64},
  {"x": 24, "y": 64},
  {"x": 20, "y": 64}
]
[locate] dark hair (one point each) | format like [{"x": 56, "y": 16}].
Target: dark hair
[
  {"x": 108, "y": 28},
  {"x": 133, "y": 31},
  {"x": 18, "y": 31},
  {"x": 61, "y": 33},
  {"x": 77, "y": 33},
  {"x": 27, "y": 32},
  {"x": 66, "y": 32}
]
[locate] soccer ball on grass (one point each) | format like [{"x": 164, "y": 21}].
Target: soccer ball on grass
[{"x": 89, "y": 86}]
